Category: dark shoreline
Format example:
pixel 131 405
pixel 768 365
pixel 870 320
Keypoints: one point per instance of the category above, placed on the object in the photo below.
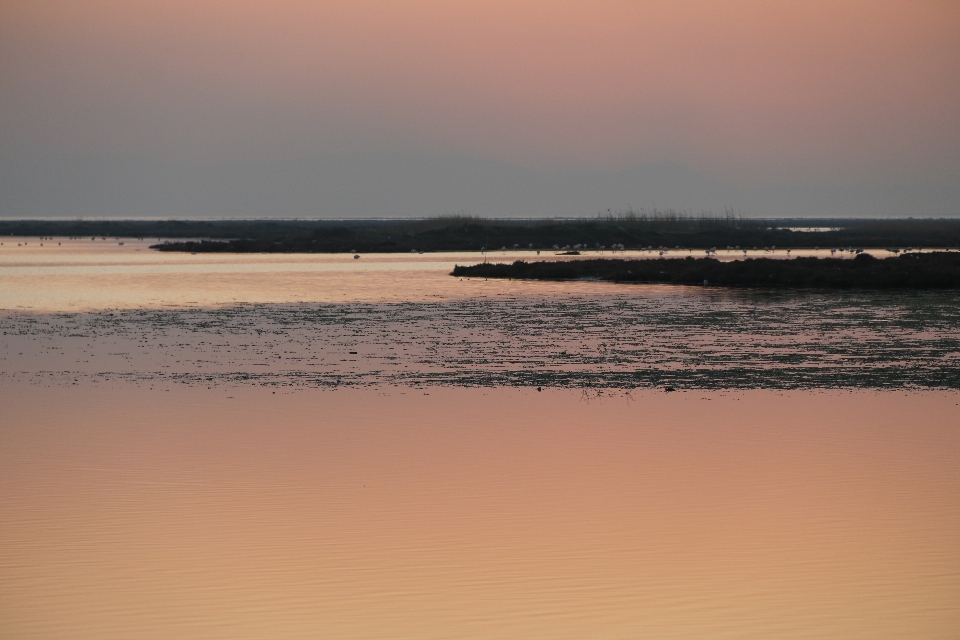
pixel 938 270
pixel 464 233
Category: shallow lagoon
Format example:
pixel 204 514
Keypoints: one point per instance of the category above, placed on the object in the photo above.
pixel 189 448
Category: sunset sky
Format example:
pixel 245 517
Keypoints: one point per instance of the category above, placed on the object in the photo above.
pixel 751 97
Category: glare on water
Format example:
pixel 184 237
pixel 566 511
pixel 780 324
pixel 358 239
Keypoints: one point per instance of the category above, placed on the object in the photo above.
pixel 78 275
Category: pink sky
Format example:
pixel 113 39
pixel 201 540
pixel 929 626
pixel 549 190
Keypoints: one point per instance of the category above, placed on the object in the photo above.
pixel 755 93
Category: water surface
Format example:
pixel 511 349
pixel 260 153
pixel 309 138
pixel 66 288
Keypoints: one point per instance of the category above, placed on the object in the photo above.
pixel 317 446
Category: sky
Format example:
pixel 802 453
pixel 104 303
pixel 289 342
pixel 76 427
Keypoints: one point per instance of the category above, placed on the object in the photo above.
pixel 177 108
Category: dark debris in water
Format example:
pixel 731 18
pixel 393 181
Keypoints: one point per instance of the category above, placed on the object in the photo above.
pixel 722 340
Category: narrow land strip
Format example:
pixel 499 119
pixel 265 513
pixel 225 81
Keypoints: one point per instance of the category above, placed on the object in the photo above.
pixel 939 270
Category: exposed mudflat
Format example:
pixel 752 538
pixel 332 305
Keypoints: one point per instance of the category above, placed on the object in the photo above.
pixel 707 340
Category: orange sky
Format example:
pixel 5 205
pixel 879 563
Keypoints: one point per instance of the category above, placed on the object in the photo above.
pixel 752 92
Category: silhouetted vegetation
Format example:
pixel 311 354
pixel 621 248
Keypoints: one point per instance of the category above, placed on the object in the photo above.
pixel 464 233
pixel 911 271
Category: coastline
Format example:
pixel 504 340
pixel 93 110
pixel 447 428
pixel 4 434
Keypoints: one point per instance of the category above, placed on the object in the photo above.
pixel 934 270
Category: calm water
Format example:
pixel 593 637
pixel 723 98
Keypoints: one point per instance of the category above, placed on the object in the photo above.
pixel 84 275
pixel 316 446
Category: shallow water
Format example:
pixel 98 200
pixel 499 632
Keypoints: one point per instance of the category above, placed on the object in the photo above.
pixel 188 448
pixel 478 514
pixel 85 275
pixel 330 320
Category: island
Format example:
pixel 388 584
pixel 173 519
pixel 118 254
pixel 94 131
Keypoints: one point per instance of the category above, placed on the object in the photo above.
pixel 934 270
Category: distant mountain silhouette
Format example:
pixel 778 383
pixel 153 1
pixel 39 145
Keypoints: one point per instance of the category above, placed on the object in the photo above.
pixel 398 185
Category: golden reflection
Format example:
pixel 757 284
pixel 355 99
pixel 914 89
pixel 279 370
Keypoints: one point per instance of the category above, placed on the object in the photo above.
pixel 442 513
pixel 82 275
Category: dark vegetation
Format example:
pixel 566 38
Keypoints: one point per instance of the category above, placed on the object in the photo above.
pixel 463 233
pixel 912 271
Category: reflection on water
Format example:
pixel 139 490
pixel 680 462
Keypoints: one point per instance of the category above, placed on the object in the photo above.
pixel 280 447
pixel 478 514
pixel 81 275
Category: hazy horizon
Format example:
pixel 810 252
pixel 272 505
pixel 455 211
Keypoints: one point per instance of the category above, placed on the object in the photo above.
pixel 528 109
pixel 352 186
